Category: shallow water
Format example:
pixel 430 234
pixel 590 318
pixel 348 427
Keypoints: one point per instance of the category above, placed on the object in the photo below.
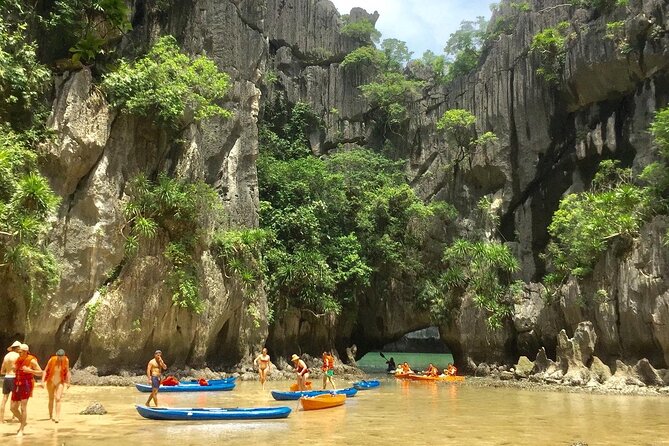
pixel 399 412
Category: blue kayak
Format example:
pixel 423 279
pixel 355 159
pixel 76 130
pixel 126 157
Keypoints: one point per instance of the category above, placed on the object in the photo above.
pixel 213 413
pixel 366 385
pixel 215 385
pixel 284 396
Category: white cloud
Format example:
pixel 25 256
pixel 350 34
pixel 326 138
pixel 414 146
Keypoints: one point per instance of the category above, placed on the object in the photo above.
pixel 422 24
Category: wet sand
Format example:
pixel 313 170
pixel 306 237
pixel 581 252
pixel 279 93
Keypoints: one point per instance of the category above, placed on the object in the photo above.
pixel 399 412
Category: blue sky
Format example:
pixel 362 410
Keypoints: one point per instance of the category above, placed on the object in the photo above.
pixel 422 24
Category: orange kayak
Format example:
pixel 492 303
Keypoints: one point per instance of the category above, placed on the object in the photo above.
pixel 322 401
pixel 447 378
pixel 293 387
pixel 403 375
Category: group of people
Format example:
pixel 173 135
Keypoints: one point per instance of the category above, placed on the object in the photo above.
pixel 262 361
pixel 19 369
pixel 431 370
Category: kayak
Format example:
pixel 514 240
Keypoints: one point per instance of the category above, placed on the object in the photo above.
pixel 402 375
pixel 294 387
pixel 215 385
pixel 213 413
pixel 322 401
pixel 366 385
pixel 446 378
pixel 284 396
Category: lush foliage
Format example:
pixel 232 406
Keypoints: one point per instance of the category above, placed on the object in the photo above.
pixel 168 86
pixel 585 223
pixel 390 92
pixel 365 55
pixel 22 77
pixel 187 214
pixel 480 268
pixel 361 30
pixel 337 221
pixel 94 24
pixel 459 126
pixel 551 47
pixel 463 47
pixel 26 204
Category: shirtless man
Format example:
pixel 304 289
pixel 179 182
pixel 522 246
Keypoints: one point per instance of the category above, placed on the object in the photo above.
pixel 25 368
pixel 263 362
pixel 7 370
pixel 154 371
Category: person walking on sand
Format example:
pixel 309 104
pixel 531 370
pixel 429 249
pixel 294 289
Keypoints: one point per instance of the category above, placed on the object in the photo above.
pixel 7 371
pixel 154 371
pixel 328 370
pixel 26 369
pixel 56 377
pixel 302 372
pixel 263 362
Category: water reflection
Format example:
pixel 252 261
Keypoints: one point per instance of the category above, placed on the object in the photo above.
pixel 397 412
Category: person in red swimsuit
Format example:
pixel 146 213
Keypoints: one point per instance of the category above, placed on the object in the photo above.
pixel 302 372
pixel 26 368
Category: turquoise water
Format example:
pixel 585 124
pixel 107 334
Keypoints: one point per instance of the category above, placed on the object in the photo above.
pixel 399 412
pixel 374 362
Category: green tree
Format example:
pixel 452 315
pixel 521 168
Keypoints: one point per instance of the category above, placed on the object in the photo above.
pixel 26 205
pixel 551 47
pixel 168 86
pixel 362 30
pixel 460 128
pixel 585 224
pixel 397 54
pixel 188 214
pixel 463 47
pixel 390 92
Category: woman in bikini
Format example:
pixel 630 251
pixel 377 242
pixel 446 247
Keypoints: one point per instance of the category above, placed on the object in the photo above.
pixel 263 362
pixel 56 377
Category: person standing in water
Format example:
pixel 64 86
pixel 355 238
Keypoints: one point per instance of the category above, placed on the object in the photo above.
pixel 154 372
pixel 7 370
pixel 263 362
pixel 302 372
pixel 26 369
pixel 328 370
pixel 56 377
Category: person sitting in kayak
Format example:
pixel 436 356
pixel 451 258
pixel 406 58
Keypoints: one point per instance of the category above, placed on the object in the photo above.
pixel 451 370
pixel 391 365
pixel 432 370
pixel 406 368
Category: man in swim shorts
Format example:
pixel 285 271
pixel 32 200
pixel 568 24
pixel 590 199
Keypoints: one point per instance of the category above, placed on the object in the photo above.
pixel 154 372
pixel 7 370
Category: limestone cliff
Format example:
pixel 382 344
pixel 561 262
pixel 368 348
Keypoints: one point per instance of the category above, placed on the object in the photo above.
pixel 111 311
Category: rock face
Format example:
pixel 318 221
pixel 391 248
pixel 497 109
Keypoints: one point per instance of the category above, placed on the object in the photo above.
pixel 112 311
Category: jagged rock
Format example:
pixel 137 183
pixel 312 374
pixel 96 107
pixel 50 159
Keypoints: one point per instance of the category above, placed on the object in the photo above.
pixel 623 377
pixel 350 354
pixel 647 374
pixel 585 339
pixel 542 363
pixel 94 409
pixel 506 376
pixel 599 371
pixel 524 367
pixel 482 369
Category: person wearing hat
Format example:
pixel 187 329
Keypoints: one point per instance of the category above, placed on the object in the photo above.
pixel 154 371
pixel 7 371
pixel 56 377
pixel 26 368
pixel 302 372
